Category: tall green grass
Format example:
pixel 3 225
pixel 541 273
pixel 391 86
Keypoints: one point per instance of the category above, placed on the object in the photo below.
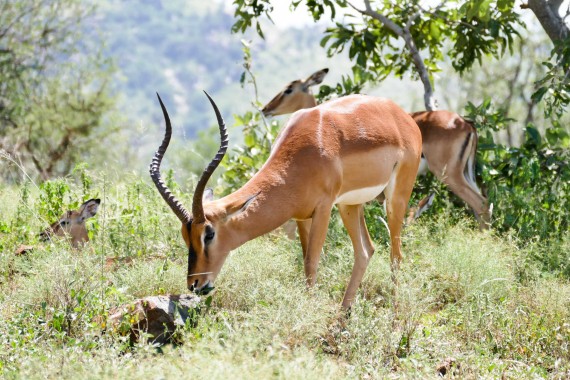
pixel 496 307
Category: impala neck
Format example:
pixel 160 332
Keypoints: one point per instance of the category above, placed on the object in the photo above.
pixel 266 212
pixel 310 102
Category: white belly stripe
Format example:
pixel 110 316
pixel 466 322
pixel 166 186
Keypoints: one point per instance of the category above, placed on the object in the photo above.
pixel 359 196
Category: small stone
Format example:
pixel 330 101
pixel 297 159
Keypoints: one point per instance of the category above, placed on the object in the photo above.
pixel 157 316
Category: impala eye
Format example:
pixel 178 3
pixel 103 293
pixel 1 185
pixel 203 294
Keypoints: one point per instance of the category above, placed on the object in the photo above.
pixel 63 223
pixel 210 233
pixel 288 91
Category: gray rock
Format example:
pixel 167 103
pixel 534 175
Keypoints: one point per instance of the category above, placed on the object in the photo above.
pixel 157 316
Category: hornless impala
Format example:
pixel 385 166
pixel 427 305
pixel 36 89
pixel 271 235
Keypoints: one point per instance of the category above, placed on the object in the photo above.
pixel 344 152
pixel 449 144
pixel 72 224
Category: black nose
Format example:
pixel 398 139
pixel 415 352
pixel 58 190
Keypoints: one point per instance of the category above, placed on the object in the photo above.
pixel 193 286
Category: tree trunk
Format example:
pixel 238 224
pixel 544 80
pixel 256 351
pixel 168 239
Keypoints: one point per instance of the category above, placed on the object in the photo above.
pixel 548 13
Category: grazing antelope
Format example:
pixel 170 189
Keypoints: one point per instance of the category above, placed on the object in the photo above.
pixel 344 152
pixel 72 224
pixel 449 145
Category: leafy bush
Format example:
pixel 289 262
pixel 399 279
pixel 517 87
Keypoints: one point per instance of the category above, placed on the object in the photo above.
pixel 258 136
pixel 554 87
pixel 244 161
pixel 529 185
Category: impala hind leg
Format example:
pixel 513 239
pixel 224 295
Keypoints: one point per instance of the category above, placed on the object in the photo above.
pixel 461 187
pixel 398 194
pixel 319 225
pixel 353 220
pixel 461 181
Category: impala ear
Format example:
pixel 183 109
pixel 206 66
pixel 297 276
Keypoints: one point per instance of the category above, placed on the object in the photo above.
pixel 240 206
pixel 316 77
pixel 208 195
pixel 89 208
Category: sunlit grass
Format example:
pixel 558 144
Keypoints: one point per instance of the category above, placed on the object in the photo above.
pixel 475 297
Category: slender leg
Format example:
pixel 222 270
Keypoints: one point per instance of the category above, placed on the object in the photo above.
pixel 304 228
pixel 420 208
pixel 476 201
pixel 289 228
pixel 317 236
pixel 460 178
pixel 397 196
pixel 366 240
pixel 353 220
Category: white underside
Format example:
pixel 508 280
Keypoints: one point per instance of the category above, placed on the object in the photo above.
pixel 356 197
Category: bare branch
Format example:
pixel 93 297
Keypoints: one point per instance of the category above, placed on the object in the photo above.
pixel 380 17
pixel 411 20
pixel 429 99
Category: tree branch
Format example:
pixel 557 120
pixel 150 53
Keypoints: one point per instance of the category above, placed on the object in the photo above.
pixel 429 98
pixel 547 12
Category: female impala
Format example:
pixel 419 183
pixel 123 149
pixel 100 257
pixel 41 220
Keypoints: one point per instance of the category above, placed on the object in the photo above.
pixel 343 152
pixel 449 144
pixel 72 224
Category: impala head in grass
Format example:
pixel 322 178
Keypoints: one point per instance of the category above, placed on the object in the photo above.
pixel 72 224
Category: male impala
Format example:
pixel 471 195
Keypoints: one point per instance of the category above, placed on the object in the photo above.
pixel 449 144
pixel 343 152
pixel 72 224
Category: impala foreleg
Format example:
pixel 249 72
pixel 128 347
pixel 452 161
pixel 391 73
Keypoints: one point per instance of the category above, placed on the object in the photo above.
pixel 304 228
pixel 319 225
pixel 289 229
pixel 353 220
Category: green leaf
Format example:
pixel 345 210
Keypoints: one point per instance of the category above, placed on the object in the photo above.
pixel 484 12
pixel 259 31
pixel 434 31
pixel 505 5
pixel 539 94
pixel 472 11
pixel 534 135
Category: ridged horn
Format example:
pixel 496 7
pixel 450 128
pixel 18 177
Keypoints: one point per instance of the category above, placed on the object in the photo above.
pixel 197 207
pixel 154 169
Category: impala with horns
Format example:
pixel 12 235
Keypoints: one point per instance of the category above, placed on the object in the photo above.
pixel 72 224
pixel 343 152
pixel 449 145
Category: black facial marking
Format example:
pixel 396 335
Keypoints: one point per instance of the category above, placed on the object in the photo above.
pixel 192 257
pixel 210 233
